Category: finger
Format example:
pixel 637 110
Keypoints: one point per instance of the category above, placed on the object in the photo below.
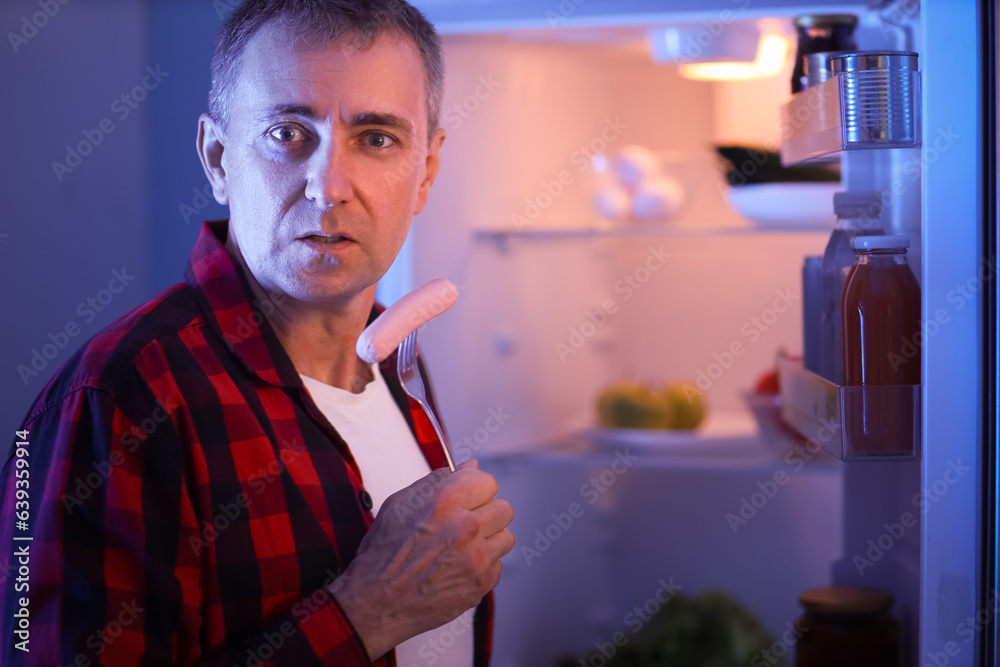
pixel 416 494
pixel 470 489
pixel 497 570
pixel 458 489
pixel 494 516
pixel 500 545
pixel 471 463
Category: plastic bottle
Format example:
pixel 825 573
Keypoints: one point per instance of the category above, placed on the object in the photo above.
pixel 857 215
pixel 881 334
pixel 812 312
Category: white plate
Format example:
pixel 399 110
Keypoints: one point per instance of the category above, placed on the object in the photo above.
pixel 786 205
pixel 643 437
pixel 718 429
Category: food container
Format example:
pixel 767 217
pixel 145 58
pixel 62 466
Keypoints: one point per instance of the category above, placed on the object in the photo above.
pixel 819 68
pixel 637 184
pixel 820 33
pixel 879 96
pixel 847 625
pixel 786 206
pixel 774 432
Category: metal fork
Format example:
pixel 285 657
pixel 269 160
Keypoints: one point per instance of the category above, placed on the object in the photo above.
pixel 413 385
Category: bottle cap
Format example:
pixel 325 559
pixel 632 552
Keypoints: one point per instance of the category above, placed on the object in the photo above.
pixel 847 600
pixel 861 204
pixel 888 242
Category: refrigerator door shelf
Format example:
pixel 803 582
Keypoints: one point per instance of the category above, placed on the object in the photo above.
pixel 852 111
pixel 867 423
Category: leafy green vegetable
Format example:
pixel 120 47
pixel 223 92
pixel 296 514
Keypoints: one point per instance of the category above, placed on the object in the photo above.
pixel 712 630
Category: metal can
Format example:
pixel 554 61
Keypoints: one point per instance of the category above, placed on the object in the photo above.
pixel 880 97
pixel 821 32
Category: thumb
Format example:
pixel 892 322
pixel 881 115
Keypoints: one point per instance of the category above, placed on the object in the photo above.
pixel 471 463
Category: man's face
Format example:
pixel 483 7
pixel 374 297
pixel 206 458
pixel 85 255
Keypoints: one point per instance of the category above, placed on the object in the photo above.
pixel 325 162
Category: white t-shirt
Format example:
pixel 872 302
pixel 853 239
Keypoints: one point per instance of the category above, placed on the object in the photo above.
pixel 390 459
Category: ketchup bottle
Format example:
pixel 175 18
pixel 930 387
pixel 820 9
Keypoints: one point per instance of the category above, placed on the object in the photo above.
pixel 880 316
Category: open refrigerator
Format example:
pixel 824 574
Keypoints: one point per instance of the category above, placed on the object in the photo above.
pixel 555 303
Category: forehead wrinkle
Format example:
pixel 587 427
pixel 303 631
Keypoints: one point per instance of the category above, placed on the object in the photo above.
pixel 286 109
pixel 298 84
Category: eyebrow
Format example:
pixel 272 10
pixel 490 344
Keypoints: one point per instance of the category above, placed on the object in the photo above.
pixel 357 120
pixel 382 119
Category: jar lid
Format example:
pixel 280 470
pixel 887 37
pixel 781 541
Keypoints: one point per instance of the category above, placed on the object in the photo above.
pixel 880 242
pixel 825 20
pixel 847 600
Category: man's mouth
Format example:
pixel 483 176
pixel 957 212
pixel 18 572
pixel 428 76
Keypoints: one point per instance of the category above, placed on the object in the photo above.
pixel 323 238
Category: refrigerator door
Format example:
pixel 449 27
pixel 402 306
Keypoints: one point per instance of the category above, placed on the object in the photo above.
pixel 991 427
pixel 959 268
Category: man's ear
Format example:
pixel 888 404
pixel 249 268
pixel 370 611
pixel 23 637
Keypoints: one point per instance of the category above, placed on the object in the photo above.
pixel 211 145
pixel 433 164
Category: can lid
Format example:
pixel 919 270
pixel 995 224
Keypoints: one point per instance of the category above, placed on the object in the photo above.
pixel 860 61
pixel 858 204
pixel 847 600
pixel 887 242
pixel 824 20
pixel 818 66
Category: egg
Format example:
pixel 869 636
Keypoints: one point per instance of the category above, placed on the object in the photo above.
pixel 612 202
pixel 635 164
pixel 657 198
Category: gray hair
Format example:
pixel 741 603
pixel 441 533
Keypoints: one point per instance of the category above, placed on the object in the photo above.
pixel 321 22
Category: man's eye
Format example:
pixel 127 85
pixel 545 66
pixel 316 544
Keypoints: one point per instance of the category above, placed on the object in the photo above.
pixel 379 140
pixel 287 133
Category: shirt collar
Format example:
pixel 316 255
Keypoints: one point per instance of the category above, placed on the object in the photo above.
pixel 236 314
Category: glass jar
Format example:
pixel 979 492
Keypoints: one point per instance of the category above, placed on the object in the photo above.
pixel 820 33
pixel 880 320
pixel 847 625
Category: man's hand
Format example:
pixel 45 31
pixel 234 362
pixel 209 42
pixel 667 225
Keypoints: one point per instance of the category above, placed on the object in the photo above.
pixel 433 552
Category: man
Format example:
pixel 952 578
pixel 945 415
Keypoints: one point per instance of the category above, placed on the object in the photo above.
pixel 196 485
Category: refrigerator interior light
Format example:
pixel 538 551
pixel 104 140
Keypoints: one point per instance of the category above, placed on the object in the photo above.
pixel 696 43
pixel 771 54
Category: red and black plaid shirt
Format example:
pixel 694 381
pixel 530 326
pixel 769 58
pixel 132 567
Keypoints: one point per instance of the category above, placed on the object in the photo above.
pixel 185 498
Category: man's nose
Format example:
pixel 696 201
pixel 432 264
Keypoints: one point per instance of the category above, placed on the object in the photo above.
pixel 329 182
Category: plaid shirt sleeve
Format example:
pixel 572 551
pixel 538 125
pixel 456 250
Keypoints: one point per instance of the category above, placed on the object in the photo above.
pixel 108 575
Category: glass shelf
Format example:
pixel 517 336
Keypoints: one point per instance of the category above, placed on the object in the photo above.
pixel 636 230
